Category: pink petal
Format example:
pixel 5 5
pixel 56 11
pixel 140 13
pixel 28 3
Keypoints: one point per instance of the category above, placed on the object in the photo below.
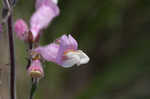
pixel 21 29
pixel 66 43
pixel 48 52
pixel 73 42
pixel 40 19
pixel 50 3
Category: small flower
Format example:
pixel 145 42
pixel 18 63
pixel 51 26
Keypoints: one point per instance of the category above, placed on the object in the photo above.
pixel 46 11
pixel 36 70
pixel 63 52
pixel 21 29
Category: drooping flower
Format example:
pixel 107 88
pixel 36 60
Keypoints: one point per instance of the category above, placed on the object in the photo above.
pixel 36 70
pixel 21 29
pixel 46 11
pixel 64 52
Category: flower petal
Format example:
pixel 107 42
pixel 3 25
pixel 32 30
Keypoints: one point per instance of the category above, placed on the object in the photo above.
pixel 48 52
pixel 75 58
pixel 21 29
pixel 50 3
pixel 66 43
pixel 40 19
pixel 73 42
pixel 55 1
pixel 84 59
pixel 72 60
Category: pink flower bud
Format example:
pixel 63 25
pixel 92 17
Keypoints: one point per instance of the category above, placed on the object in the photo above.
pixel 36 70
pixel 21 29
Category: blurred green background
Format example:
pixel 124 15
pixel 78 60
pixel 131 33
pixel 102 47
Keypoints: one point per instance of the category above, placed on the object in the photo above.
pixel 115 34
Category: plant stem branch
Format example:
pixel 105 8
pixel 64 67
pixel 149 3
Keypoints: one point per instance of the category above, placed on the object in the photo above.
pixel 12 59
pixel 33 81
pixel 33 88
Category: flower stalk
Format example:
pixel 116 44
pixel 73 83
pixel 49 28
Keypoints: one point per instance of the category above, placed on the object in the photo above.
pixel 63 51
pixel 33 81
pixel 33 87
pixel 7 18
pixel 12 59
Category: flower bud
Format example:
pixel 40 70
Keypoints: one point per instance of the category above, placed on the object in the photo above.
pixel 21 29
pixel 36 70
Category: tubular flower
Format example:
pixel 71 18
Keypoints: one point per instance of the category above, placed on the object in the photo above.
pixel 21 29
pixel 36 70
pixel 64 52
pixel 46 11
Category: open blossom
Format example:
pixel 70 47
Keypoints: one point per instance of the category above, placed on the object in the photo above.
pixel 46 11
pixel 21 29
pixel 64 52
pixel 36 70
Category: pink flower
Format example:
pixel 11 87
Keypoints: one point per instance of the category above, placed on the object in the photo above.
pixel 21 29
pixel 36 70
pixel 64 52
pixel 46 11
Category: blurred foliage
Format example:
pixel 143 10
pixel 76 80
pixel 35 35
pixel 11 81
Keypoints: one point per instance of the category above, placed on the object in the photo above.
pixel 114 33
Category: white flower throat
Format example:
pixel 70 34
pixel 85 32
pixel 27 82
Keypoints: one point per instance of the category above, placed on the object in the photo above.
pixel 55 1
pixel 75 58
